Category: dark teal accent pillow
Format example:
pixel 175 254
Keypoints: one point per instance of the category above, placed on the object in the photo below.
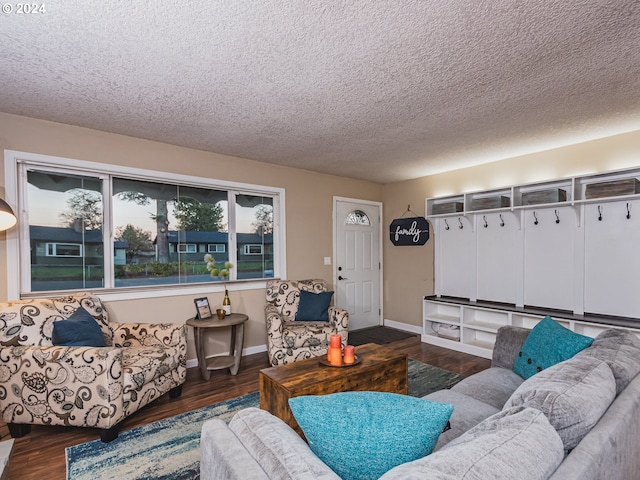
pixel 362 435
pixel 314 307
pixel 80 329
pixel 547 344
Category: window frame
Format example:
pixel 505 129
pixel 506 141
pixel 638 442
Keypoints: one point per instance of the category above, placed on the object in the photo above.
pixel 17 239
pixel 247 247
pixel 216 249
pixel 186 247
pixel 54 247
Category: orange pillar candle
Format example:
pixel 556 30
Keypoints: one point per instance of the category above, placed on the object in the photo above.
pixel 335 356
pixel 335 341
pixel 349 354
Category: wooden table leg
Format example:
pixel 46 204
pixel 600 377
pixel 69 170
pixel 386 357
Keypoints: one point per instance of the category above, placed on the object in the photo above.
pixel 202 359
pixel 232 341
pixel 237 339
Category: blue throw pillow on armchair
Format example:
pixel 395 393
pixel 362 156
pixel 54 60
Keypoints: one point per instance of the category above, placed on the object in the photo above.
pixel 314 307
pixel 80 329
pixel 362 435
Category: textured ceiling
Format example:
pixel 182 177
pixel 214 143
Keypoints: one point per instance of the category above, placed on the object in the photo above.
pixel 380 90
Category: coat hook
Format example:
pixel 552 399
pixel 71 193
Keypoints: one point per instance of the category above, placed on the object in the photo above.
pixel 501 221
pixel 536 218
pixel 628 211
pixel 460 221
pixel 599 213
pixel 447 224
pixel 485 221
pixel 557 217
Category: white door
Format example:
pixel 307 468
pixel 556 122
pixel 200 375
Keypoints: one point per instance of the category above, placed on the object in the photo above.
pixel 357 261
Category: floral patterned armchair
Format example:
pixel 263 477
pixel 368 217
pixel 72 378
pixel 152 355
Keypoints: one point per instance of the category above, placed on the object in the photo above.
pixel 77 385
pixel 289 340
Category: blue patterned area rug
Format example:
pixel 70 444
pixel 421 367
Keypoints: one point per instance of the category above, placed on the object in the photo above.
pixel 169 449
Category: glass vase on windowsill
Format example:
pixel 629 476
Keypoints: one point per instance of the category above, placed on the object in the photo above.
pixel 222 274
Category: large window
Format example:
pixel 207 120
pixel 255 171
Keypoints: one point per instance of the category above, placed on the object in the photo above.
pixel 96 226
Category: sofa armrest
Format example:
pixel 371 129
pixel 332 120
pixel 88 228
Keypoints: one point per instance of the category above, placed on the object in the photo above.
pixel 222 455
pixel 508 344
pixel 610 449
pixel 149 334
pixel 279 450
pixel 59 385
pixel 339 318
pixel 275 323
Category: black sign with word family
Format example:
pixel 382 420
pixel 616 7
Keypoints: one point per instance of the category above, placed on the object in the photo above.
pixel 409 231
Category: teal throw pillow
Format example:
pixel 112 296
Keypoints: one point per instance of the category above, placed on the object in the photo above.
pixel 314 306
pixel 80 329
pixel 547 344
pixel 362 435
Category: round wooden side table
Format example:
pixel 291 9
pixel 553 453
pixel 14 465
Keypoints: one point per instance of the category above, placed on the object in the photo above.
pixel 219 362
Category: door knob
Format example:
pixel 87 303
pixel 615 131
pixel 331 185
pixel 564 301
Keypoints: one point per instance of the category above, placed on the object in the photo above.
pixel 340 277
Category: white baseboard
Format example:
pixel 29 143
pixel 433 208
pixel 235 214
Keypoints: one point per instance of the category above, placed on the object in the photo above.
pixel 403 326
pixel 193 362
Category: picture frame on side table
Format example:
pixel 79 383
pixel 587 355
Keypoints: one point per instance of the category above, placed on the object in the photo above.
pixel 203 309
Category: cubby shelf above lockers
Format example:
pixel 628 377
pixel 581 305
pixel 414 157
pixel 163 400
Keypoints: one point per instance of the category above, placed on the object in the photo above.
pixel 546 194
pixel 601 187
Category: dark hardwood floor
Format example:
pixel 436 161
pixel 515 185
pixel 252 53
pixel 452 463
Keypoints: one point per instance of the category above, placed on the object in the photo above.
pixel 41 453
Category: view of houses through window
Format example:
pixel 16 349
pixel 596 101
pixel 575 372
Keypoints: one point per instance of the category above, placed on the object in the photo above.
pixel 99 230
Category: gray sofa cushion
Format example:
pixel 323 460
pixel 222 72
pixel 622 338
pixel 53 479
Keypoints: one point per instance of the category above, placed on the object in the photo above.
pixel 278 449
pixel 467 413
pixel 572 394
pixel 493 386
pixel 621 350
pixel 517 443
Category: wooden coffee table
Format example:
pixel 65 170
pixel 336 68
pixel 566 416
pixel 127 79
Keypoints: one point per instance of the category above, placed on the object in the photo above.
pixel 382 369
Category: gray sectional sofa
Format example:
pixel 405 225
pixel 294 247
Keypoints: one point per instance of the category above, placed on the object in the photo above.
pixel 576 420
